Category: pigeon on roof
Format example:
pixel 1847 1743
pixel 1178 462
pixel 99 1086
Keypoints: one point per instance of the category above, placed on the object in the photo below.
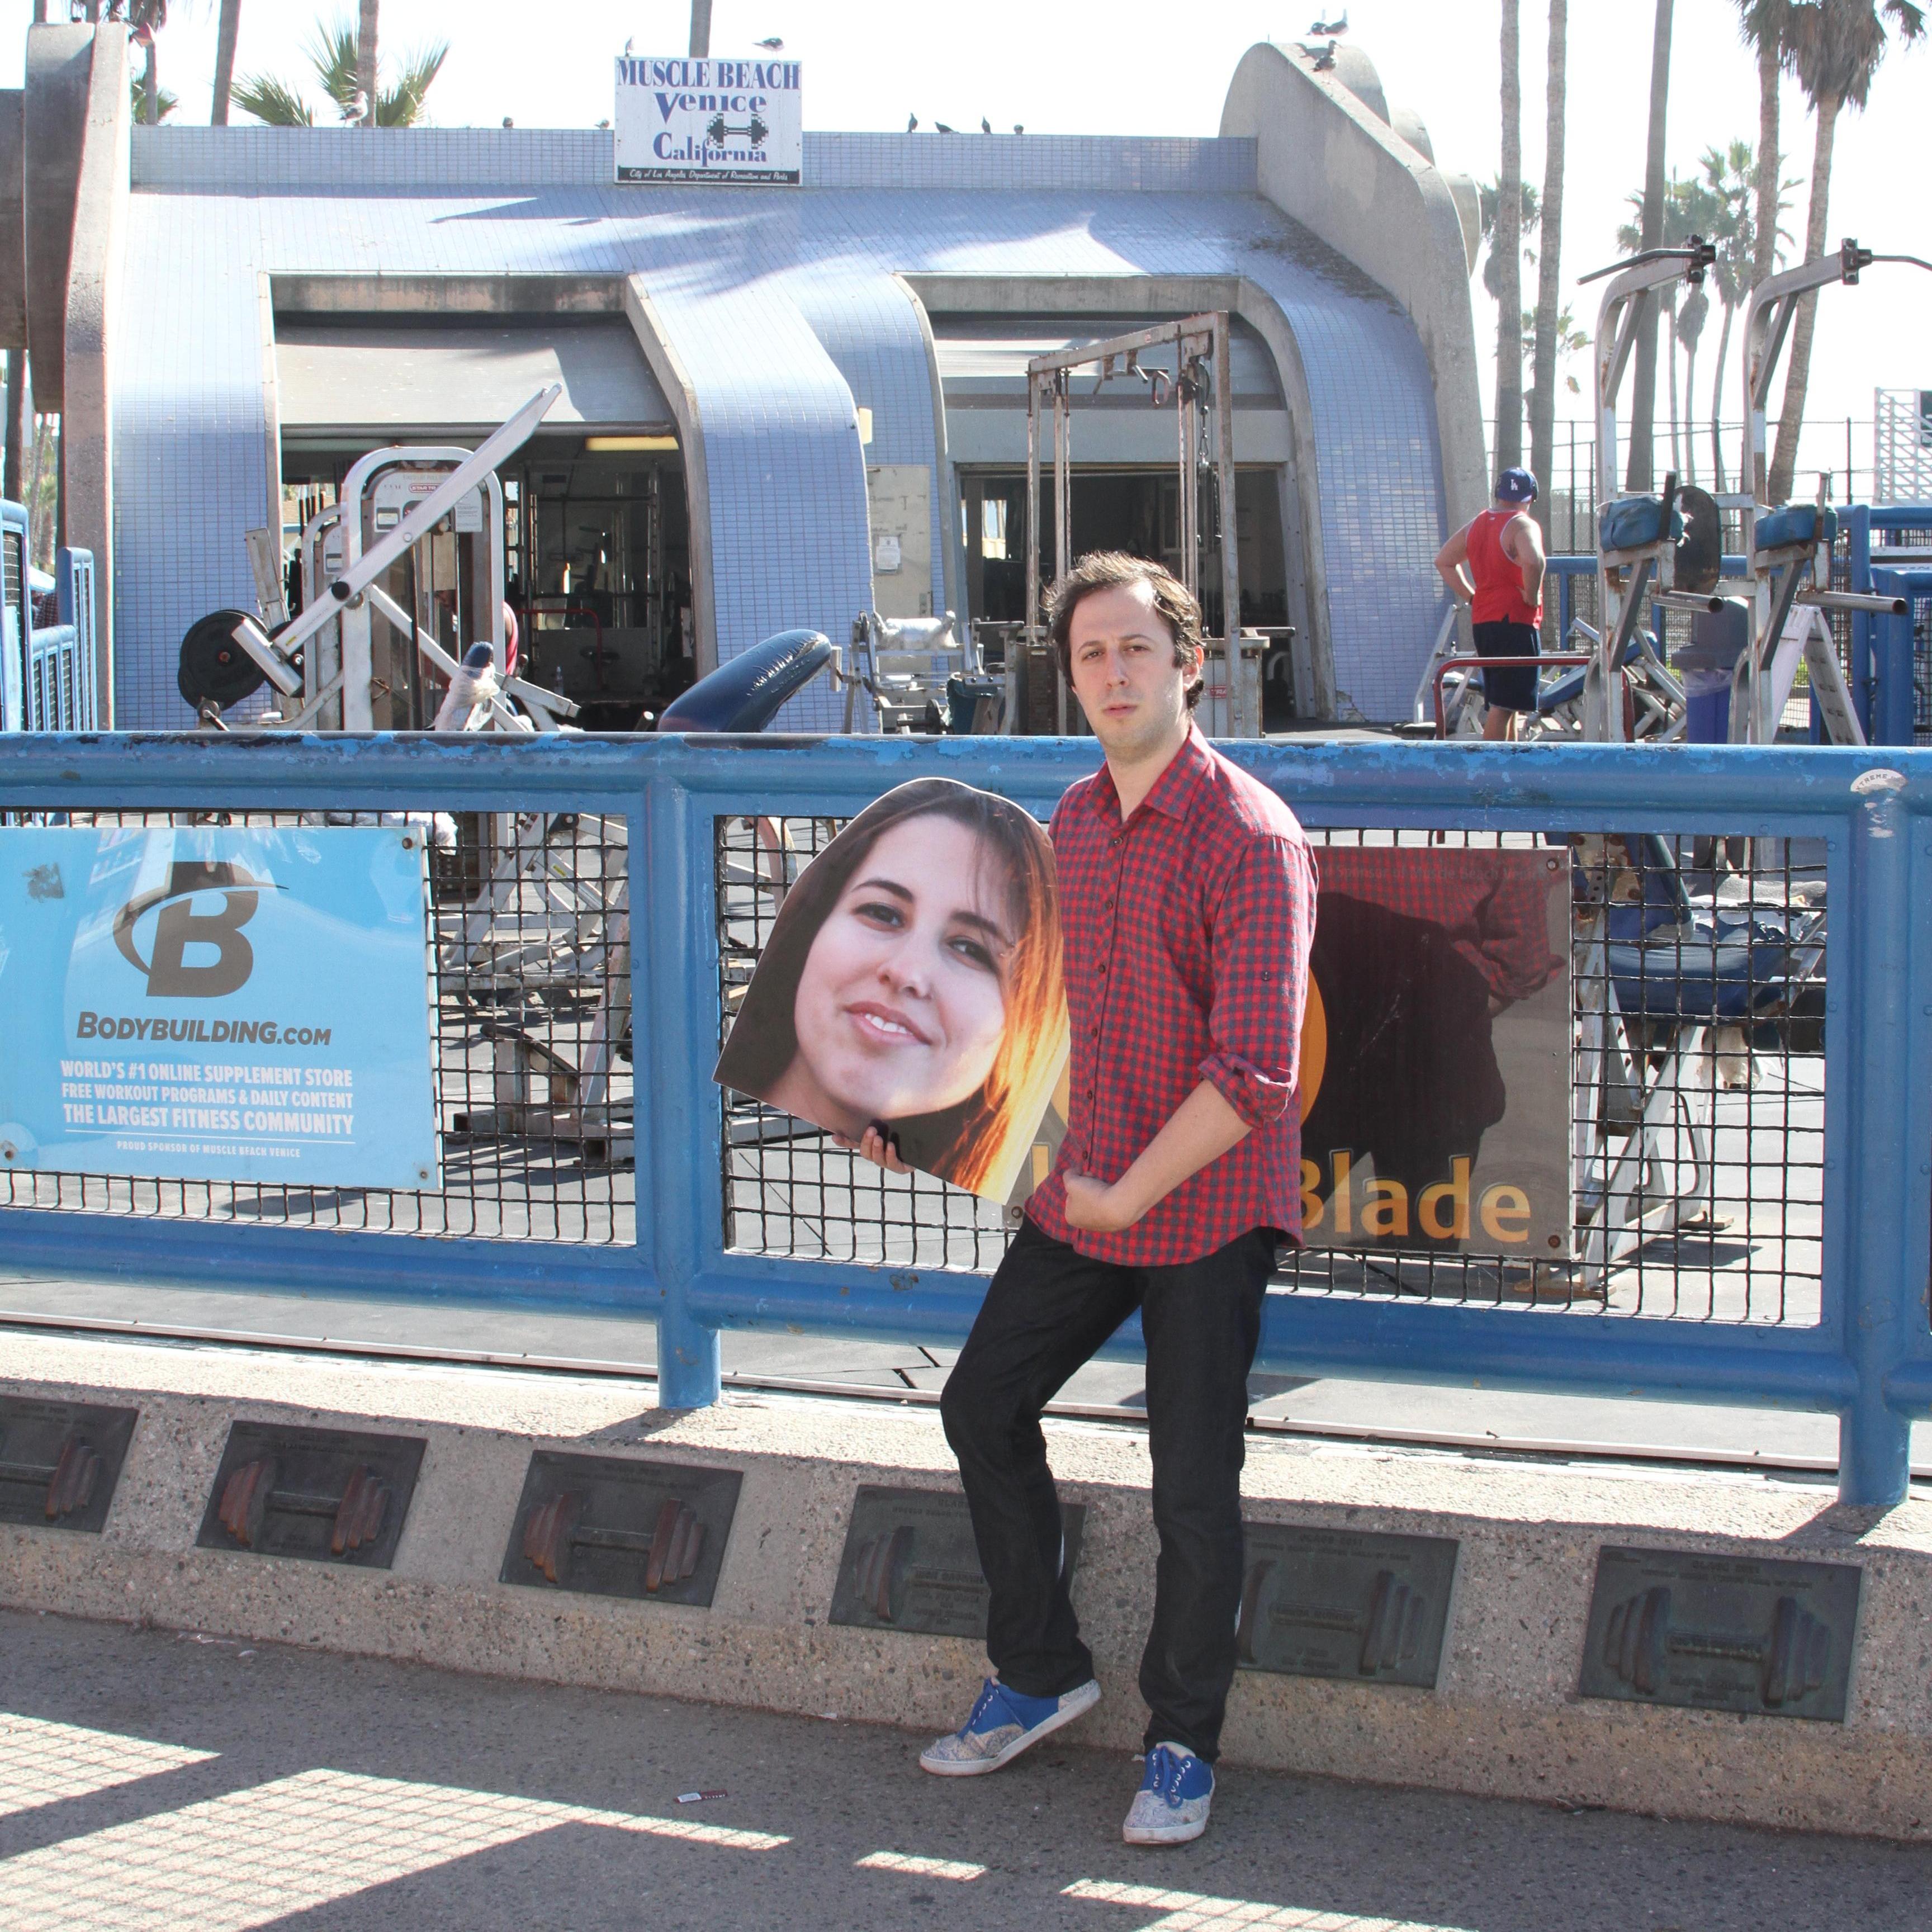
pixel 912 123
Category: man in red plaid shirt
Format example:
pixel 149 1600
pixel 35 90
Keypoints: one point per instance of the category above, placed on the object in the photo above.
pixel 1187 902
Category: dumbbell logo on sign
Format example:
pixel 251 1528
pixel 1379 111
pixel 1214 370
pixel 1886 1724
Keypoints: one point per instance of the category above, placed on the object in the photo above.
pixel 719 130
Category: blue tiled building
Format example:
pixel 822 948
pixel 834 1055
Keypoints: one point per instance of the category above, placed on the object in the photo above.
pixel 787 406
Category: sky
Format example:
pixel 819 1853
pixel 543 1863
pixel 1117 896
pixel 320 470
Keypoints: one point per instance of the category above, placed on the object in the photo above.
pixel 1125 70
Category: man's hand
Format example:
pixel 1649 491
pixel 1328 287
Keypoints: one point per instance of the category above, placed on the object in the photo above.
pixel 875 1144
pixel 1097 1209
pixel 1201 1129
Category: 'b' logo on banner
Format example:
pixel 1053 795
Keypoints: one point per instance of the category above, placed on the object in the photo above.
pixel 179 926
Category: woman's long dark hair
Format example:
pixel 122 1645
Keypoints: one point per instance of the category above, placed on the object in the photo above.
pixel 985 1136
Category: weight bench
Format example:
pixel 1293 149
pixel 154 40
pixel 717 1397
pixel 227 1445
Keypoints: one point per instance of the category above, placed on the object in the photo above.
pixel 747 693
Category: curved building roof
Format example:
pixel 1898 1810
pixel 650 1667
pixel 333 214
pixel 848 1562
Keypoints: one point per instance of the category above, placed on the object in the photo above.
pixel 781 312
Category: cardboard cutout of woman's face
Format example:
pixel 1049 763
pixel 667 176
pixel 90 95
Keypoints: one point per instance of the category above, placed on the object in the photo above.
pixel 917 1000
pixel 902 1001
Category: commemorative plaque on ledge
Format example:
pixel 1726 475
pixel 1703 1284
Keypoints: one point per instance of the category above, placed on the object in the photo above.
pixel 911 1563
pixel 59 1461
pixel 1345 1603
pixel 617 1526
pixel 325 1495
pixel 1759 1635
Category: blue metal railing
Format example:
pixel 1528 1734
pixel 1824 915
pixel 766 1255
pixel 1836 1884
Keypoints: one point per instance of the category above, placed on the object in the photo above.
pixel 1869 1360
pixel 46 672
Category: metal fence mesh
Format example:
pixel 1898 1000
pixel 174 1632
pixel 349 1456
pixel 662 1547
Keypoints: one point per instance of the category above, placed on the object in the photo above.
pixel 529 946
pixel 1697 1096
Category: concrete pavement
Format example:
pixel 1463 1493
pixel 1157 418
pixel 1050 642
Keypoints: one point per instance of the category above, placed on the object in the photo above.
pixel 148 1778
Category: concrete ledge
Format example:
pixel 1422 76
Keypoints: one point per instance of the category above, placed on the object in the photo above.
pixel 1504 1721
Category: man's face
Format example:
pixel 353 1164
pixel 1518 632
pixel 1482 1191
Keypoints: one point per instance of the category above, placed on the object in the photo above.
pixel 1124 673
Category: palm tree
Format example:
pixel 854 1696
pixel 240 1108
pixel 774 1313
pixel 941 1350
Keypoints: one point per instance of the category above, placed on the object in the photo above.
pixel 1689 209
pixel 1767 31
pixel 144 19
pixel 1542 362
pixel 1835 49
pixel 1529 218
pixel 1728 177
pixel 1729 189
pixel 1690 320
pixel 367 73
pixel 1508 252
pixel 151 105
pixel 1566 340
pixel 226 33
pixel 1489 204
pixel 334 56
pixel 1643 402
pixel 274 101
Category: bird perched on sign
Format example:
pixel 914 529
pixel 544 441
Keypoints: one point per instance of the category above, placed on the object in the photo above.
pixel 1332 27
pixel 912 123
pixel 942 127
pixel 355 106
pixel 986 126
pixel 473 684
pixel 774 44
pixel 1018 129
pixel 628 46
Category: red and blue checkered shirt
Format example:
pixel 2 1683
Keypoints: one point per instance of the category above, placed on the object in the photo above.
pixel 1187 932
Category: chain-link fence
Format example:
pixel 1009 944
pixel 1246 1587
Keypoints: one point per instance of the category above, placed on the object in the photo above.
pixel 1696 1095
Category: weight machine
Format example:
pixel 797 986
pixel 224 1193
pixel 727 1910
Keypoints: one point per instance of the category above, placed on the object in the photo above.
pixel 1788 544
pixel 543 919
pixel 1637 536
pixel 1202 394
pixel 395 502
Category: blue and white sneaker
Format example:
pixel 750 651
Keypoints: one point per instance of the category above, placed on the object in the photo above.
pixel 1172 1805
pixel 1004 1723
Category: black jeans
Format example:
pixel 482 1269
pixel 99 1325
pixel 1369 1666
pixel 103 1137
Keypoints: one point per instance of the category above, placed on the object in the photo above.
pixel 1048 1309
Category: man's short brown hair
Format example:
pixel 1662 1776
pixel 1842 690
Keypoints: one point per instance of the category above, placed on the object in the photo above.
pixel 1111 569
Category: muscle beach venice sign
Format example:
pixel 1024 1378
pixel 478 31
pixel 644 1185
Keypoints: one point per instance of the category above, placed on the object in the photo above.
pixel 680 120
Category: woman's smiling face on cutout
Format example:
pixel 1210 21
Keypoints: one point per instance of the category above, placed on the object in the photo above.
pixel 901 1003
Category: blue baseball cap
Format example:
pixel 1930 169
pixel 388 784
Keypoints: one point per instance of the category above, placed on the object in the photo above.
pixel 1515 486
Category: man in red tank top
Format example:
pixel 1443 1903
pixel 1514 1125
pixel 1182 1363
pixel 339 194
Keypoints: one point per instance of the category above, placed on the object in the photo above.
pixel 1495 565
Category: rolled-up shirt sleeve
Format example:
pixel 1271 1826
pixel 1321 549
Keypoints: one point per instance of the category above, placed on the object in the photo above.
pixel 1264 924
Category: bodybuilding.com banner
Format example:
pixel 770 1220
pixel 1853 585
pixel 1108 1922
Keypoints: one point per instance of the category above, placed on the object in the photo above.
pixel 680 120
pixel 218 1004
